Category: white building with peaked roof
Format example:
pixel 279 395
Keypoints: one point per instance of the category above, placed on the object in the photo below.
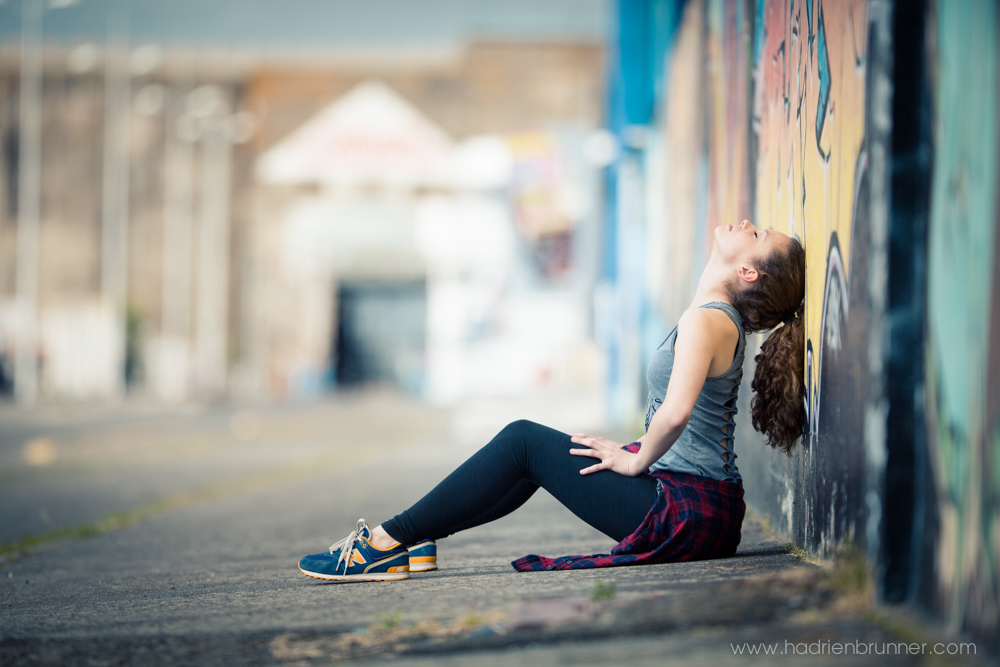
pixel 396 252
pixel 391 239
pixel 369 137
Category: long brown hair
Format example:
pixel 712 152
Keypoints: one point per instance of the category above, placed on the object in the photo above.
pixel 776 298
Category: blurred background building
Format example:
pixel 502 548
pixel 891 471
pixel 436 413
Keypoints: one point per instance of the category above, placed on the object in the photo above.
pixel 249 200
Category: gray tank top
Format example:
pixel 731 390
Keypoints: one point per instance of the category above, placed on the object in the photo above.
pixel 709 432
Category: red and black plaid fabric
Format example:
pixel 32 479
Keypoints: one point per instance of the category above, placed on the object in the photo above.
pixel 694 518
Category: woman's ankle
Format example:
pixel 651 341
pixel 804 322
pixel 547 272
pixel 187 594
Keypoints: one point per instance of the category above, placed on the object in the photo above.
pixel 382 540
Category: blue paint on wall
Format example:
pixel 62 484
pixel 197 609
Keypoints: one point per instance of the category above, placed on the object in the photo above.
pixel 824 78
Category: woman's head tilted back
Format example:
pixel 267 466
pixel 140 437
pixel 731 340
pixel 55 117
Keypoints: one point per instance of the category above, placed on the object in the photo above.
pixel 770 294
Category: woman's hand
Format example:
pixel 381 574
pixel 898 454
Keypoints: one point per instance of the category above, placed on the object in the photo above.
pixel 611 455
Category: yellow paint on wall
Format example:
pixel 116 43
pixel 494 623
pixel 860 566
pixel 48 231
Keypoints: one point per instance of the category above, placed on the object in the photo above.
pixel 805 184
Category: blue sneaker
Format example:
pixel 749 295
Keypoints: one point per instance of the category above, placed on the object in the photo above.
pixel 355 559
pixel 424 556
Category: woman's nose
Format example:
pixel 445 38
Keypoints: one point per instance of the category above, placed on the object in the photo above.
pixel 745 224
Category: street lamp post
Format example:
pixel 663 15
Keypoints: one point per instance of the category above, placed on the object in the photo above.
pixel 178 206
pixel 29 203
pixel 29 195
pixel 209 122
pixel 213 254
pixel 115 213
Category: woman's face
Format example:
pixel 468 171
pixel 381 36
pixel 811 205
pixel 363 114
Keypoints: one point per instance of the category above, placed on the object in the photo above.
pixel 744 244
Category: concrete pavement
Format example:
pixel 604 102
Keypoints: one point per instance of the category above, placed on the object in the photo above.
pixel 210 577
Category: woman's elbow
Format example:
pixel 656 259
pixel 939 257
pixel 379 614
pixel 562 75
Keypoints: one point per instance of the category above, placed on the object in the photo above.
pixel 681 422
pixel 675 422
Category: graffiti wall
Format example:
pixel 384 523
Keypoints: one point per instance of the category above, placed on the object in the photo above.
pixel 808 146
pixel 810 67
pixel 869 130
pixel 963 315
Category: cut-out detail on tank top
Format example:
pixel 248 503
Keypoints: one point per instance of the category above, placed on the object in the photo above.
pixel 728 436
pixel 728 453
pixel 691 452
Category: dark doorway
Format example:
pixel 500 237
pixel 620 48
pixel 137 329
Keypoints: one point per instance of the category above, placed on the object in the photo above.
pixel 381 334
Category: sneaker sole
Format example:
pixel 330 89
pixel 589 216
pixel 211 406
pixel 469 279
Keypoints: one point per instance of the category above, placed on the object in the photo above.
pixel 348 578
pixel 423 563
pixel 423 568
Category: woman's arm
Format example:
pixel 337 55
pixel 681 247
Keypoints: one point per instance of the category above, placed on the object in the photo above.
pixel 699 338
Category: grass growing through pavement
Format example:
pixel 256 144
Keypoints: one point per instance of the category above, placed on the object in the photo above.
pixel 603 591
pixel 472 621
pixel 800 553
pixel 388 622
pixel 852 578
pixel 18 549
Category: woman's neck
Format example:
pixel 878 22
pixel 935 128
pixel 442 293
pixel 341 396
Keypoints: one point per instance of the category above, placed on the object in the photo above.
pixel 712 286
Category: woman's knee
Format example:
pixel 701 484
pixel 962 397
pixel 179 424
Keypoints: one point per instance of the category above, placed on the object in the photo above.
pixel 528 440
pixel 521 428
pixel 527 432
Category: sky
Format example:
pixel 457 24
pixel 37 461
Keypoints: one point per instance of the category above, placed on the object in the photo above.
pixel 284 26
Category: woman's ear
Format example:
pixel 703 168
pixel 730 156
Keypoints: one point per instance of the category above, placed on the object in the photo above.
pixel 747 274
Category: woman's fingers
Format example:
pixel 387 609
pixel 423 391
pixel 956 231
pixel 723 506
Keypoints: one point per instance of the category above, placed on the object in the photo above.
pixel 586 452
pixel 591 441
pixel 596 447
pixel 586 437
pixel 603 464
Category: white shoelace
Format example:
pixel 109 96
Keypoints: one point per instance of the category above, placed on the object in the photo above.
pixel 346 546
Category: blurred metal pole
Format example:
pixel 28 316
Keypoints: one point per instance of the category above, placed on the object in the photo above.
pixel 250 335
pixel 248 372
pixel 29 203
pixel 213 255
pixel 178 217
pixel 5 95
pixel 630 287
pixel 114 220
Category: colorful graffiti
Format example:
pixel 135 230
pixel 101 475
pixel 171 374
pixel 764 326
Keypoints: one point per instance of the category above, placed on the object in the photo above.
pixel 809 67
pixel 963 301
pixel 870 130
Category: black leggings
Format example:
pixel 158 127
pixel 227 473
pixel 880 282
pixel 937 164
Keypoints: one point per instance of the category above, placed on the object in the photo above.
pixel 501 476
